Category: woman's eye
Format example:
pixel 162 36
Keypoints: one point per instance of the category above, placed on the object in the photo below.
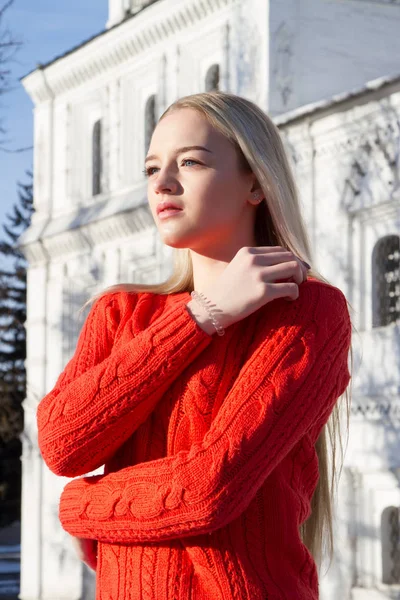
pixel 150 170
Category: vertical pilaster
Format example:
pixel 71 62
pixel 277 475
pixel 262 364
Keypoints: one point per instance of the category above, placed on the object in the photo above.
pixel 177 70
pixel 60 151
pixel 114 120
pixel 116 12
pixel 162 89
pixel 32 465
pixel 225 67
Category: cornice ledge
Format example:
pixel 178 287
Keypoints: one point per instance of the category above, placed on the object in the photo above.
pixel 84 238
pixel 381 210
pixel 119 44
pixel 111 219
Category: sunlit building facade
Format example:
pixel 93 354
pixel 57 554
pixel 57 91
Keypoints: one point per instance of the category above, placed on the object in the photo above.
pixel 323 71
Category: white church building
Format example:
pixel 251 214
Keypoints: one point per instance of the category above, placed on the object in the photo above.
pixel 328 72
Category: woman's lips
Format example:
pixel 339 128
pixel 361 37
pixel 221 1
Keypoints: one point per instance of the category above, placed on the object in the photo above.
pixel 169 212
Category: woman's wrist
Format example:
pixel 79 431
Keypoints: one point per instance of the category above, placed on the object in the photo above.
pixel 201 316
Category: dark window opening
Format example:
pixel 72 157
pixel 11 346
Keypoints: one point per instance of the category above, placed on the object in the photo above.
pixel 390 537
pixel 212 79
pixel 386 281
pixel 150 121
pixel 97 166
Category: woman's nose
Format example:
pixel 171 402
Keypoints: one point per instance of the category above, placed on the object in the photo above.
pixel 165 183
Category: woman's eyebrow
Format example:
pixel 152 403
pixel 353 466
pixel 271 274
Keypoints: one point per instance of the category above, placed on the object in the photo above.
pixel 180 151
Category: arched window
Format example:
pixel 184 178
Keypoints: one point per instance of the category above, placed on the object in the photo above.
pixel 149 121
pixel 386 281
pixel 97 163
pixel 212 79
pixel 390 538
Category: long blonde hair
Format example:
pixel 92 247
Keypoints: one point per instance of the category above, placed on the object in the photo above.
pixel 279 222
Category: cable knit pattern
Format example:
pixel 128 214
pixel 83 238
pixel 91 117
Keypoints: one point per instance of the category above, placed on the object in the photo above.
pixel 208 443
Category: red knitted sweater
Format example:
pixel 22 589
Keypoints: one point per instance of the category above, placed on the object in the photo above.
pixel 207 442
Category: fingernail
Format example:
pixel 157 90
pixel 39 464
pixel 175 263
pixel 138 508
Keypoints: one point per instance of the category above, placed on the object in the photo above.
pixel 306 264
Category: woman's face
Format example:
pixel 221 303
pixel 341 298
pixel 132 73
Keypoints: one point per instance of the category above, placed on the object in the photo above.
pixel 206 182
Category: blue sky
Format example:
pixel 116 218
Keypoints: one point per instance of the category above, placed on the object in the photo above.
pixel 47 29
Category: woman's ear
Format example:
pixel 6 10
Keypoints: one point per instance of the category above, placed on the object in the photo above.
pixel 256 194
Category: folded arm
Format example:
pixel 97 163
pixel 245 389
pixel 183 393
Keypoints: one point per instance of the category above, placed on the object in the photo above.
pixel 103 396
pixel 289 383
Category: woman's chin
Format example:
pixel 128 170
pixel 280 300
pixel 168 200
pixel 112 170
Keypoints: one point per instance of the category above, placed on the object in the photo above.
pixel 174 239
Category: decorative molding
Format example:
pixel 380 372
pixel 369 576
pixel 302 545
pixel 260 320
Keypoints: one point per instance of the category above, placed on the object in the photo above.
pixel 372 185
pixel 376 409
pixel 118 45
pixel 377 212
pixel 342 140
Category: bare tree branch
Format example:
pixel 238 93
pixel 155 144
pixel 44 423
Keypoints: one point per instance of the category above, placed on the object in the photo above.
pixel 9 47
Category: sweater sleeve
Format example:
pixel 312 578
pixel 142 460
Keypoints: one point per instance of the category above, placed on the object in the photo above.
pixel 290 383
pixel 103 396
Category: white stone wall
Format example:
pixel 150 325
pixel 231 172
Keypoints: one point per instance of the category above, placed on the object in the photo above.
pixel 321 48
pixel 346 221
pixel 281 55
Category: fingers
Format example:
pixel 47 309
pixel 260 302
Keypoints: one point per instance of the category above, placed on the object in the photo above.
pixel 305 267
pixel 278 267
pixel 272 250
pixel 272 258
pixel 282 271
pixel 263 249
pixel 287 290
pixel 275 255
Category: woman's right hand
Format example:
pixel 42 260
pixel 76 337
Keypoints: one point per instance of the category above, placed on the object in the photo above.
pixel 254 277
pixel 86 550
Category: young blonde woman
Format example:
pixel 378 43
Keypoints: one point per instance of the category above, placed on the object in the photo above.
pixel 207 397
